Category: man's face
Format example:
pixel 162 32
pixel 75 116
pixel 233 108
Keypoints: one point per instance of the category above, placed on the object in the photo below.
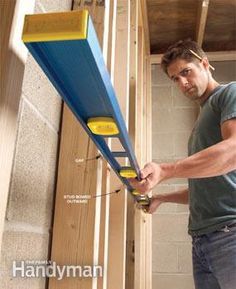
pixel 191 78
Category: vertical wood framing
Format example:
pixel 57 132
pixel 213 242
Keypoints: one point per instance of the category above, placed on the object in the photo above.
pixel 144 19
pixel 80 224
pixel 73 231
pixel 133 12
pixel 109 21
pixel 201 20
pixel 13 58
pixel 143 233
pixel 148 220
pixel 212 56
pixel 96 232
pixel 118 203
pixel 132 79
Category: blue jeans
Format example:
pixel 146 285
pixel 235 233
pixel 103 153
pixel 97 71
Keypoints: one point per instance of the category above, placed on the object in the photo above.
pixel 214 259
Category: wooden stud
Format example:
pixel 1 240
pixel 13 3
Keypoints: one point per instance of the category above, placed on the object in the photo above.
pixel 222 56
pixel 148 218
pixel 79 224
pixel 132 68
pixel 149 109
pixel 144 12
pixel 212 56
pixel 143 241
pixel 106 188
pixel 132 61
pixel 118 203
pixel 201 20
pixel 75 222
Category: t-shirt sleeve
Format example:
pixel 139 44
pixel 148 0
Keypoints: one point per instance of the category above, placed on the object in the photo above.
pixel 227 103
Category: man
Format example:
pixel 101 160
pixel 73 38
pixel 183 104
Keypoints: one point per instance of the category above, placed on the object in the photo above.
pixel 210 168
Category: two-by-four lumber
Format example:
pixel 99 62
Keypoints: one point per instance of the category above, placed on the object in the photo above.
pixel 133 24
pixel 139 127
pixel 73 228
pixel 212 56
pixel 144 15
pixel 118 203
pixel 201 20
pixel 76 239
pixel 143 233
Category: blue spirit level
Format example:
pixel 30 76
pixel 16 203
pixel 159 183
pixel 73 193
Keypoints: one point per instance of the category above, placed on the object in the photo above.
pixel 66 47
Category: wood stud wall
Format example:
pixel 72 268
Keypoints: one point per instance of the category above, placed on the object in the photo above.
pixel 108 231
pixel 75 238
pixel 201 20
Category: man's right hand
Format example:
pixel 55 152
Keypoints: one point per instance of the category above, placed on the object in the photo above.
pixel 151 175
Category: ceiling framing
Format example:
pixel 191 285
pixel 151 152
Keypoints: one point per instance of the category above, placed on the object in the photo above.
pixel 212 23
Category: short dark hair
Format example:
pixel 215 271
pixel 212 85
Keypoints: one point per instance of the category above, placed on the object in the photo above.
pixel 181 50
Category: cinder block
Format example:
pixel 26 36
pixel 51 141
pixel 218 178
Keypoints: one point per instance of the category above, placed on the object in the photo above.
pixel 165 257
pixel 161 97
pixel 180 181
pixel 172 281
pixel 181 208
pixel 163 188
pixel 170 227
pixel 52 6
pixel 181 144
pixel 158 76
pixel 162 121
pixel 180 100
pixel 170 207
pixel 165 207
pixel 170 120
pixel 22 246
pixel 162 145
pixel 40 92
pixel 183 119
pixel 185 257
pixel 225 71
pixel 33 177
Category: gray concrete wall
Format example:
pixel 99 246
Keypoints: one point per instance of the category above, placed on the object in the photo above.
pixel 31 198
pixel 173 118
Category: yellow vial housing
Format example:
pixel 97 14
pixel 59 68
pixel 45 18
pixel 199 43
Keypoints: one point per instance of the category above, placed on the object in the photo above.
pixel 103 126
pixel 143 202
pixel 136 193
pixel 128 172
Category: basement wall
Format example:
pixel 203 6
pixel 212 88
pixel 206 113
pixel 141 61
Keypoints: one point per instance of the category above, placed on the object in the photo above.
pixel 29 212
pixel 173 119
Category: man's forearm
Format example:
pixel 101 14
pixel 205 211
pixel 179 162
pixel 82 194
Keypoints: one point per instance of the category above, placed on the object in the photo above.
pixel 179 197
pixel 216 160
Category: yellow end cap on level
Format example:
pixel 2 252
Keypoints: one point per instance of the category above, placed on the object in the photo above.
pixel 128 172
pixel 103 126
pixel 55 26
pixel 143 203
pixel 135 193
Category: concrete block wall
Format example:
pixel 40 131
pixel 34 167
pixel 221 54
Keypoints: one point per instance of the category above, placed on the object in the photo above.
pixel 29 213
pixel 173 118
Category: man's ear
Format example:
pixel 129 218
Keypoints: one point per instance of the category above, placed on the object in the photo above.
pixel 205 63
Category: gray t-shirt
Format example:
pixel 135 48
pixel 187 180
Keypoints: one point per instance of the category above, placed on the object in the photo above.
pixel 212 200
